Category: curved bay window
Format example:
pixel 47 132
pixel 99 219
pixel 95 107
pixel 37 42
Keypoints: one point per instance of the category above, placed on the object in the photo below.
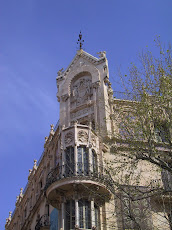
pixel 83 213
pixel 81 166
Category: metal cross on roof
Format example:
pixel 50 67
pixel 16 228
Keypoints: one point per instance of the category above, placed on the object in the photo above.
pixel 80 41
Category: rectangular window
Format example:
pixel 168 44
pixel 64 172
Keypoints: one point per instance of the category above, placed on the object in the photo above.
pixel 96 211
pixel 70 214
pixel 69 166
pixel 84 214
pixel 94 162
pixel 83 160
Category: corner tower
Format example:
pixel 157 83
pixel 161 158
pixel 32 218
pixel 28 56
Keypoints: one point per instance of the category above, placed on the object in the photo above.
pixel 79 185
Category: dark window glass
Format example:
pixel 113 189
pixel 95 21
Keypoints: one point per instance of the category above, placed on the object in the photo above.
pixel 70 214
pixel 96 215
pixel 94 161
pixel 69 166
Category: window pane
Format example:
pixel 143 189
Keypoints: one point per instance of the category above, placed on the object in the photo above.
pixel 84 214
pixel 94 161
pixel 67 215
pixel 96 215
pixel 79 160
pixel 81 217
pixel 85 157
pixel 73 214
pixel 70 215
pixel 87 214
pixel 69 169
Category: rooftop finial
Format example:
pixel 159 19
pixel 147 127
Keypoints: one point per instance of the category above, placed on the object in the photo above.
pixel 80 41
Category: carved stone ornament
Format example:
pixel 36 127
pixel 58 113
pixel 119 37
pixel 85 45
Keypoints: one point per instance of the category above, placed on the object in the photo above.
pixel 65 97
pixel 93 140
pixel 68 138
pixel 60 72
pixel 96 84
pixel 102 54
pixel 82 136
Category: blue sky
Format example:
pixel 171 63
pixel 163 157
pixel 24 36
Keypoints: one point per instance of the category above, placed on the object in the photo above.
pixel 38 37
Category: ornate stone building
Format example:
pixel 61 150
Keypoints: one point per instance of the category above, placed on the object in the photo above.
pixel 70 187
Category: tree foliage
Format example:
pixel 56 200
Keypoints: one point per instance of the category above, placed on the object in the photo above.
pixel 143 131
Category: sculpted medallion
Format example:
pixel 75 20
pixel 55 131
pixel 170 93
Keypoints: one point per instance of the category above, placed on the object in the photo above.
pixel 68 138
pixel 82 136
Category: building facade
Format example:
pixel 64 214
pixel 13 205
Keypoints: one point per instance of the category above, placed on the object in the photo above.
pixel 71 187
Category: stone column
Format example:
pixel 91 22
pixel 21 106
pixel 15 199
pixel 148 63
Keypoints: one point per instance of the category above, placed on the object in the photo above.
pixel 98 161
pixel 63 162
pixel 101 217
pixel 75 148
pixel 89 150
pixel 63 216
pixel 95 103
pixel 92 214
pixel 76 214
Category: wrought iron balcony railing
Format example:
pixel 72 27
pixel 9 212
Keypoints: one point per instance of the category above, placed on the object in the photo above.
pixel 80 171
pixel 44 221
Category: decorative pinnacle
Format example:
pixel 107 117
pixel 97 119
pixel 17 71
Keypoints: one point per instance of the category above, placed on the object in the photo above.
pixel 80 41
pixel 34 166
pixel 21 192
pixel 52 127
pixel 10 215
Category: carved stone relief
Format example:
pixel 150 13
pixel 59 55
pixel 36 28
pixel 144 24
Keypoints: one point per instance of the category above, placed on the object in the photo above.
pixel 93 140
pixel 82 136
pixel 68 138
pixel 81 90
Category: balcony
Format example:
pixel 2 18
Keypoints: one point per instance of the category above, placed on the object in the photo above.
pixel 43 223
pixel 87 177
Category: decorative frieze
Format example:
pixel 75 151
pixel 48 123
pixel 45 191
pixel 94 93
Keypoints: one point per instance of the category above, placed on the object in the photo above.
pixel 82 112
